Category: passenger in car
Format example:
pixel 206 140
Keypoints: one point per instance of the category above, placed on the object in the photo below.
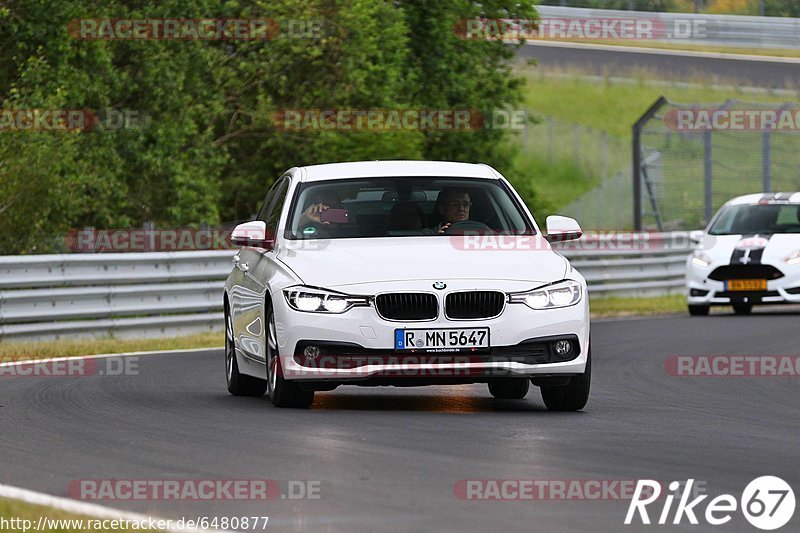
pixel 319 202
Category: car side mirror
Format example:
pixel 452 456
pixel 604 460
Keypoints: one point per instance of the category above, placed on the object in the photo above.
pixel 253 234
pixel 561 229
pixel 696 236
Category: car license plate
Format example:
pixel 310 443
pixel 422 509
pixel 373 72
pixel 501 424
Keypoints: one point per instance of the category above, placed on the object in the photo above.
pixel 441 339
pixel 746 285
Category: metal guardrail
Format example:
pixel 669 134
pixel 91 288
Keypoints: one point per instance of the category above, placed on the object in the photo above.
pixel 124 295
pixel 717 30
pixel 173 293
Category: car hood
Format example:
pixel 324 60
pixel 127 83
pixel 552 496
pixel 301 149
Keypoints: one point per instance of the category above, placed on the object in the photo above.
pixel 771 248
pixel 339 262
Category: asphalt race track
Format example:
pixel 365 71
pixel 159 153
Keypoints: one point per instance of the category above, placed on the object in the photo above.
pixel 388 458
pixel 773 73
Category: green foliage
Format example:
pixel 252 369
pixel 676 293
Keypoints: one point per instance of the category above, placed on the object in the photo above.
pixel 205 147
pixel 782 8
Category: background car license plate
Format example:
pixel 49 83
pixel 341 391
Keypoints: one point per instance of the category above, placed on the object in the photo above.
pixel 746 285
pixel 450 338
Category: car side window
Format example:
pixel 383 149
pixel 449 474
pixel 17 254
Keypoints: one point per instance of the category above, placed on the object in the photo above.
pixel 274 215
pixel 263 212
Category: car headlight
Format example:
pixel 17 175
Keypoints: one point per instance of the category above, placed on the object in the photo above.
pixel 793 258
pixel 700 259
pixel 561 294
pixel 315 300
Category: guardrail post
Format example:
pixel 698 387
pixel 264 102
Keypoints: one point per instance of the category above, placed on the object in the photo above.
pixel 150 234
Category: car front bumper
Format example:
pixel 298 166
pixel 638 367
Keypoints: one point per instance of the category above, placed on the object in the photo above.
pixel 362 330
pixel 704 291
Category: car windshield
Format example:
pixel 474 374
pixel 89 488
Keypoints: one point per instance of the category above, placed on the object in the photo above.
pixel 404 206
pixel 758 218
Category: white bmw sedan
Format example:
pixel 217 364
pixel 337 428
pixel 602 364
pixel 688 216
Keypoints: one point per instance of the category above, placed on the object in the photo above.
pixel 749 255
pixel 403 273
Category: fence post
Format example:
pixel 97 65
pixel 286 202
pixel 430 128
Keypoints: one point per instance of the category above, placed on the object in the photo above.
pixel 636 146
pixel 707 174
pixel 604 155
pixel 549 140
pixel 766 161
pixel 576 145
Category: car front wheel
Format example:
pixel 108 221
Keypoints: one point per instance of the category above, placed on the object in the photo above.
pixel 238 384
pixel 573 396
pixel 509 388
pixel 282 392
pixel 698 310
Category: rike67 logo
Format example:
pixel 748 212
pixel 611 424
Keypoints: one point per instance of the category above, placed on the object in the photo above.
pixel 767 503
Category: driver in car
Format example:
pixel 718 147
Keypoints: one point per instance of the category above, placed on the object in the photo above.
pixel 453 206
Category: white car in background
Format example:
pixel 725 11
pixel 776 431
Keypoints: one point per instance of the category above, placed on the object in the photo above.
pixel 749 255
pixel 353 274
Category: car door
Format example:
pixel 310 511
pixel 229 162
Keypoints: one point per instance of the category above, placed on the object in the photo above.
pixel 247 300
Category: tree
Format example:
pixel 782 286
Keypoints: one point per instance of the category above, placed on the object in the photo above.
pixel 206 146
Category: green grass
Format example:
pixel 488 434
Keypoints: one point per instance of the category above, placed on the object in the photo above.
pixel 13 509
pixel 773 52
pixel 10 351
pixel 625 307
pixel 614 106
pixel 547 149
pixel 550 179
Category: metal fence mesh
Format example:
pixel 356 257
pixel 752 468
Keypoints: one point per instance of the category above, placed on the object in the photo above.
pixel 687 173
pixel 594 162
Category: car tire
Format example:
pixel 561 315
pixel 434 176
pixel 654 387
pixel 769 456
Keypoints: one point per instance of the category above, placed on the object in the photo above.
pixel 509 388
pixel 282 392
pixel 238 384
pixel 699 310
pixel 573 396
pixel 742 309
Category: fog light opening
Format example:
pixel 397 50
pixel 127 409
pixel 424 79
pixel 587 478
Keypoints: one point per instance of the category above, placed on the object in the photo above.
pixel 312 351
pixel 562 347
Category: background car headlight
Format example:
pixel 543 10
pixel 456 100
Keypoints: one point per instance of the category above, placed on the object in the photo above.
pixel 793 258
pixel 562 294
pixel 314 300
pixel 700 259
